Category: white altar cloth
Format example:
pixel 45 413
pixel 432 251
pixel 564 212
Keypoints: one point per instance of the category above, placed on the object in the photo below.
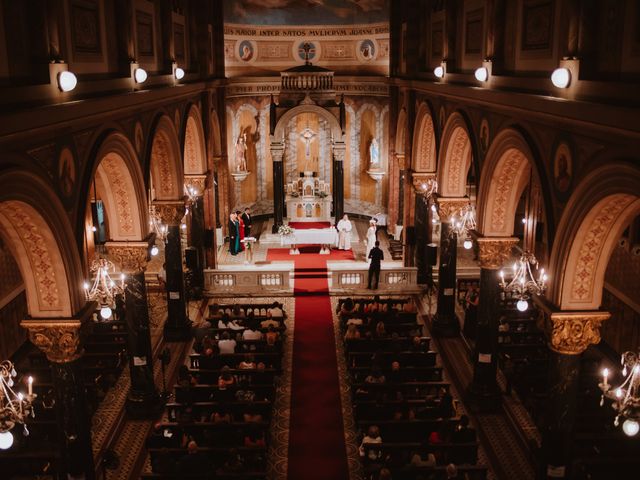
pixel 311 236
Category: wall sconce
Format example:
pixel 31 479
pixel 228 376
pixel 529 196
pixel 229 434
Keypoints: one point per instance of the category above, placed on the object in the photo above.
pixel 561 77
pixel 481 74
pixel 179 73
pixel 140 75
pixel 439 71
pixel 67 81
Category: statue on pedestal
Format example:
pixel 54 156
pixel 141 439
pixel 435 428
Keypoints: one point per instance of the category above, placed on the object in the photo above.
pixel 374 154
pixel 240 149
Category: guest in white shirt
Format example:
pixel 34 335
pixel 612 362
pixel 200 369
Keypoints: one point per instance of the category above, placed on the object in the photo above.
pixel 251 333
pixel 275 311
pixel 227 345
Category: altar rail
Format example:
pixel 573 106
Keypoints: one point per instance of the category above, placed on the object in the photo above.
pixel 396 279
pixel 274 281
pixel 247 282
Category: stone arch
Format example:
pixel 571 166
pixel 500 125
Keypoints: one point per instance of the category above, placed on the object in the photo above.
pixel 120 183
pixel 401 132
pixel 336 130
pixel 505 174
pixel 165 164
pixel 599 210
pixel 36 229
pixel 424 141
pixel 456 155
pixel 195 159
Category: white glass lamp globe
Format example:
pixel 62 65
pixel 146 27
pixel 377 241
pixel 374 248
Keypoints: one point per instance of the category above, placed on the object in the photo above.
pixel 630 427
pixel 522 305
pixel 67 81
pixel 561 77
pixel 6 440
pixel 179 73
pixel 438 71
pixel 467 244
pixel 154 250
pixel 105 312
pixel 481 74
pixel 140 74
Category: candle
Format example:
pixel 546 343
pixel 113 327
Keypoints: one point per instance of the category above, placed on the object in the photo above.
pixel 30 382
pixel 20 397
pixel 605 375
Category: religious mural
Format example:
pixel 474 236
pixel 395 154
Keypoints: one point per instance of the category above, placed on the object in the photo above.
pixel 306 12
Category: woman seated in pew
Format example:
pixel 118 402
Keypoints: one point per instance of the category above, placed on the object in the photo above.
pixel 429 459
pixel 226 345
pixel 352 332
pixel 357 321
pixel 409 307
pixel 372 436
pixel 225 323
pixel 376 376
pixel 252 417
pixel 347 308
pixel 226 379
pixel 251 332
pixel 254 439
pixel 380 331
pixel 376 306
pixel 248 363
pixel 395 375
pixel 275 311
pixel 221 416
pixel 269 322
pixel 272 338
pixel 237 312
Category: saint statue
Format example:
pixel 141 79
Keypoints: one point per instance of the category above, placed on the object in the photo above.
pixel 241 148
pixel 374 153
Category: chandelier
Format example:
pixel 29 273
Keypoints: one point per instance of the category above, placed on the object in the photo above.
pixel 626 397
pixel 14 408
pixel 104 289
pixel 523 284
pixel 191 193
pixel 463 223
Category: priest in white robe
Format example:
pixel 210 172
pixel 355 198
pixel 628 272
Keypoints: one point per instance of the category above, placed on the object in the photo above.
pixel 371 237
pixel 344 233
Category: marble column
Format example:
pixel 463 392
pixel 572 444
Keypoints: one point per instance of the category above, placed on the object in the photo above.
pixel 132 257
pixel 277 151
pixel 445 322
pixel 338 180
pixel 178 326
pixel 569 334
pixel 62 342
pixel 422 221
pixel 197 227
pixel 484 391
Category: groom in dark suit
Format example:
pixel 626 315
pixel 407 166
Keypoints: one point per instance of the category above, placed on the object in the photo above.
pixel 246 218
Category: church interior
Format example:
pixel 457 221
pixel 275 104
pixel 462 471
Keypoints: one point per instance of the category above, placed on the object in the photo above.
pixel 320 239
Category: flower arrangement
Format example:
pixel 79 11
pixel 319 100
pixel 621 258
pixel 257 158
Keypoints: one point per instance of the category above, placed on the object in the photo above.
pixel 285 230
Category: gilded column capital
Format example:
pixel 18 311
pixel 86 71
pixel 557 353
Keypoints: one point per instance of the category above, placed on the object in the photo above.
pixel 339 150
pixel 197 182
pixel 448 207
pixel 59 339
pixel 277 151
pixel 422 180
pixel 130 257
pixel 400 160
pixel 495 251
pixel 170 211
pixel 570 333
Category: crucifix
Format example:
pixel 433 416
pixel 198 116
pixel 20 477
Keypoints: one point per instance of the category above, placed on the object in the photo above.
pixel 307 137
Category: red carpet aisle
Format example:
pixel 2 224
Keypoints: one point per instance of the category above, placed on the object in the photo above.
pixel 316 438
pixel 306 225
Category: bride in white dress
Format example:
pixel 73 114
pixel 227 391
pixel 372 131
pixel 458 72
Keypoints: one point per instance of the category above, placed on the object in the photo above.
pixel 371 238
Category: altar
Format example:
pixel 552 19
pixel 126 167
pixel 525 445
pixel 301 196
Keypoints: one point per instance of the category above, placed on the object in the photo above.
pixel 308 199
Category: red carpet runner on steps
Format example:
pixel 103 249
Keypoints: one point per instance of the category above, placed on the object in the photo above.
pixel 316 433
